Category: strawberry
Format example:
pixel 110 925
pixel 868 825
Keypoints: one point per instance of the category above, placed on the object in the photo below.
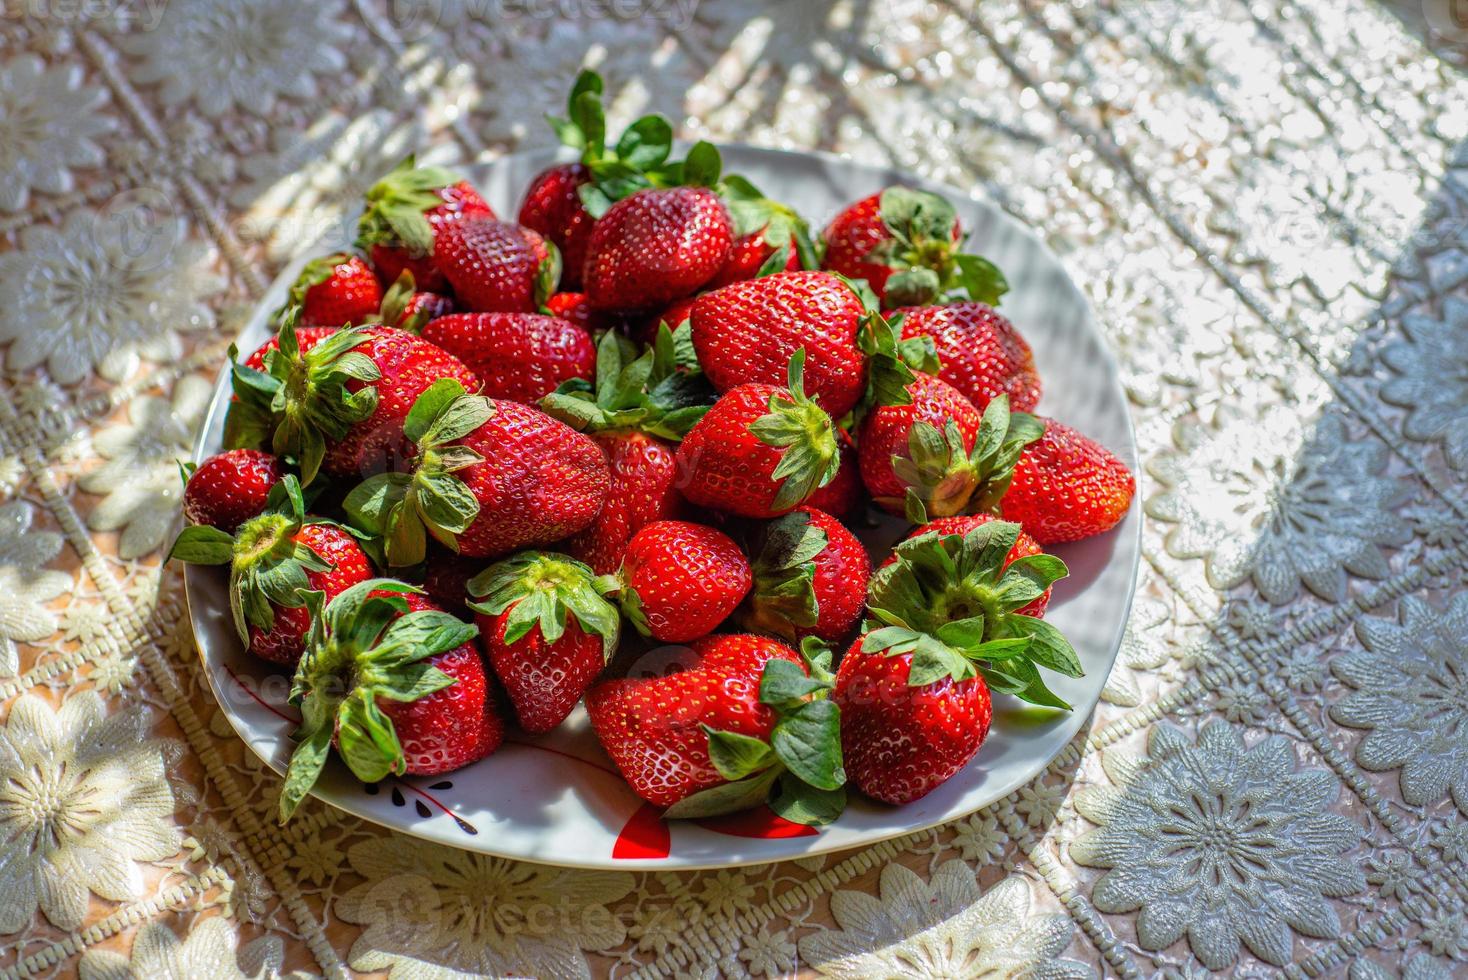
pixel 553 208
pixel 496 266
pixel 488 477
pixel 306 338
pixel 546 631
pixel 1067 487
pixel 446 580
pixel 640 408
pixel 903 242
pixel 981 353
pixel 395 684
pixel 405 211
pixel 275 559
pixel 761 450
pixel 231 487
pixel 948 625
pixel 843 495
pixel 810 577
pixel 341 405
pixel 336 290
pixel 1024 546
pixel 517 356
pixel 746 333
pixel 939 456
pixel 408 308
pixel 769 236
pixel 744 721
pixel 572 307
pixel 656 246
pixel 679 580
pixel 749 256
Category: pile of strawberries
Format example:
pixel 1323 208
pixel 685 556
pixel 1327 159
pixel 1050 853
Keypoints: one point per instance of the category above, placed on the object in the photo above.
pixel 486 466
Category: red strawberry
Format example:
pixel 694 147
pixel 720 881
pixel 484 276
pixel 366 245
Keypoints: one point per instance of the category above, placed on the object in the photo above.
pixel 306 338
pixel 336 290
pixel 761 450
pixel 572 307
pixel 939 456
pixel 810 577
pixel 1024 546
pixel 405 211
pixel 496 266
pixel 681 580
pixel 231 487
pixel 345 399
pixel 645 329
pixel 981 353
pixel 639 409
pixel 903 242
pixel 843 495
pixel 446 580
pixel 517 356
pixel 656 246
pixel 741 719
pixel 746 333
pixel 546 631
pixel 553 208
pixel 274 558
pixel 914 694
pixel 1067 487
pixel 395 684
pixel 489 477
pixel 408 308
pixel 749 255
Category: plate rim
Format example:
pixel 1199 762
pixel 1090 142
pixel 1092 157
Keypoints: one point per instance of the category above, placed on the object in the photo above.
pixel 671 862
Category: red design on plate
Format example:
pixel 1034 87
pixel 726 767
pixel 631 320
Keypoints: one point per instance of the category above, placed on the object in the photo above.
pixel 645 835
pixel 760 822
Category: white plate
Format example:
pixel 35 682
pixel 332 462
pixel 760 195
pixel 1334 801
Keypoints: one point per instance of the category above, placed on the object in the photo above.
pixel 557 799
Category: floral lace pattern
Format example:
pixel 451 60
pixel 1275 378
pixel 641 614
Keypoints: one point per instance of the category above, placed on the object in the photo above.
pixel 1266 203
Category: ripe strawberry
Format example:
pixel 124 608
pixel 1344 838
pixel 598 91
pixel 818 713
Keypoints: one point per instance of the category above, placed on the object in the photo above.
pixel 395 684
pixel 488 477
pixel 903 242
pixel 306 338
pixel 446 580
pixel 644 329
pixel 572 307
pixel 341 405
pixel 408 308
pixel 769 236
pixel 939 456
pixel 336 290
pixel 749 256
pixel 231 487
pixel 274 559
pixel 746 333
pixel 639 410
pixel 546 630
pixel 810 577
pixel 743 721
pixel 656 246
pixel 679 581
pixel 517 356
pixel 761 450
pixel 496 266
pixel 553 208
pixel 405 211
pixel 981 353
pixel 1067 487
pixel 843 495
pixel 950 623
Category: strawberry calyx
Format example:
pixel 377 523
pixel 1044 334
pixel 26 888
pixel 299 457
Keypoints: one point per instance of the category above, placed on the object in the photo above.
pixel 891 360
pixel 800 427
pixel 638 160
pixel 923 252
pixel 798 771
pixel 783 595
pixel 952 601
pixel 313 273
pixel 658 392
pixel 362 647
pixel 944 478
pixel 396 206
pixel 268 564
pixel 395 302
pixel 545 590
pixel 311 400
pixel 751 211
pixel 397 511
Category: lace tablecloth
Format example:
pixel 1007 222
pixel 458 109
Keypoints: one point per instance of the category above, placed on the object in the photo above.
pixel 1267 202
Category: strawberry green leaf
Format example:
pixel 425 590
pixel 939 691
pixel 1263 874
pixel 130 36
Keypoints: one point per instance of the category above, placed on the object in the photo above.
pixel 307 761
pixel 369 505
pixel 1048 646
pixel 546 590
pixel 783 594
pixel 429 405
pixel 980 279
pixel 808 741
pixel 799 426
pixel 799 802
pixel 366 739
pixel 702 166
pixel 1027 578
pixel 646 143
pixel 785 687
pixel 725 798
pixel 736 756
pixel 203 545
pixel 413 682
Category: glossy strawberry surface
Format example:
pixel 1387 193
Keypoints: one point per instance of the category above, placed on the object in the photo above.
pixel 981 353
pixel 643 473
pixel 284 641
pixel 349 294
pixel 1067 486
pixel 493 266
pixel 230 488
pixel 553 207
pixel 686 578
pixel 460 201
pixel 884 432
pixel 543 680
pixel 722 465
pixel 748 255
pixel 518 356
pixel 656 246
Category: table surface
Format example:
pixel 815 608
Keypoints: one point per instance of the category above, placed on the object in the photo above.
pixel 1266 201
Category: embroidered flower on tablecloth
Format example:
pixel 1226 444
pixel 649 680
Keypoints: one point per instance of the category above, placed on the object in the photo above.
pixel 83 795
pixel 140 479
pixel 1431 368
pixel 1394 874
pixel 1259 498
pixel 725 892
pixel 767 954
pixel 212 949
pixel 49 121
pixel 1451 841
pixel 1446 934
pixel 1221 843
pixel 942 927
pixel 432 911
pixel 222 55
pixel 1420 967
pixel 980 838
pixel 26 585
pixel 103 290
pixel 1411 692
